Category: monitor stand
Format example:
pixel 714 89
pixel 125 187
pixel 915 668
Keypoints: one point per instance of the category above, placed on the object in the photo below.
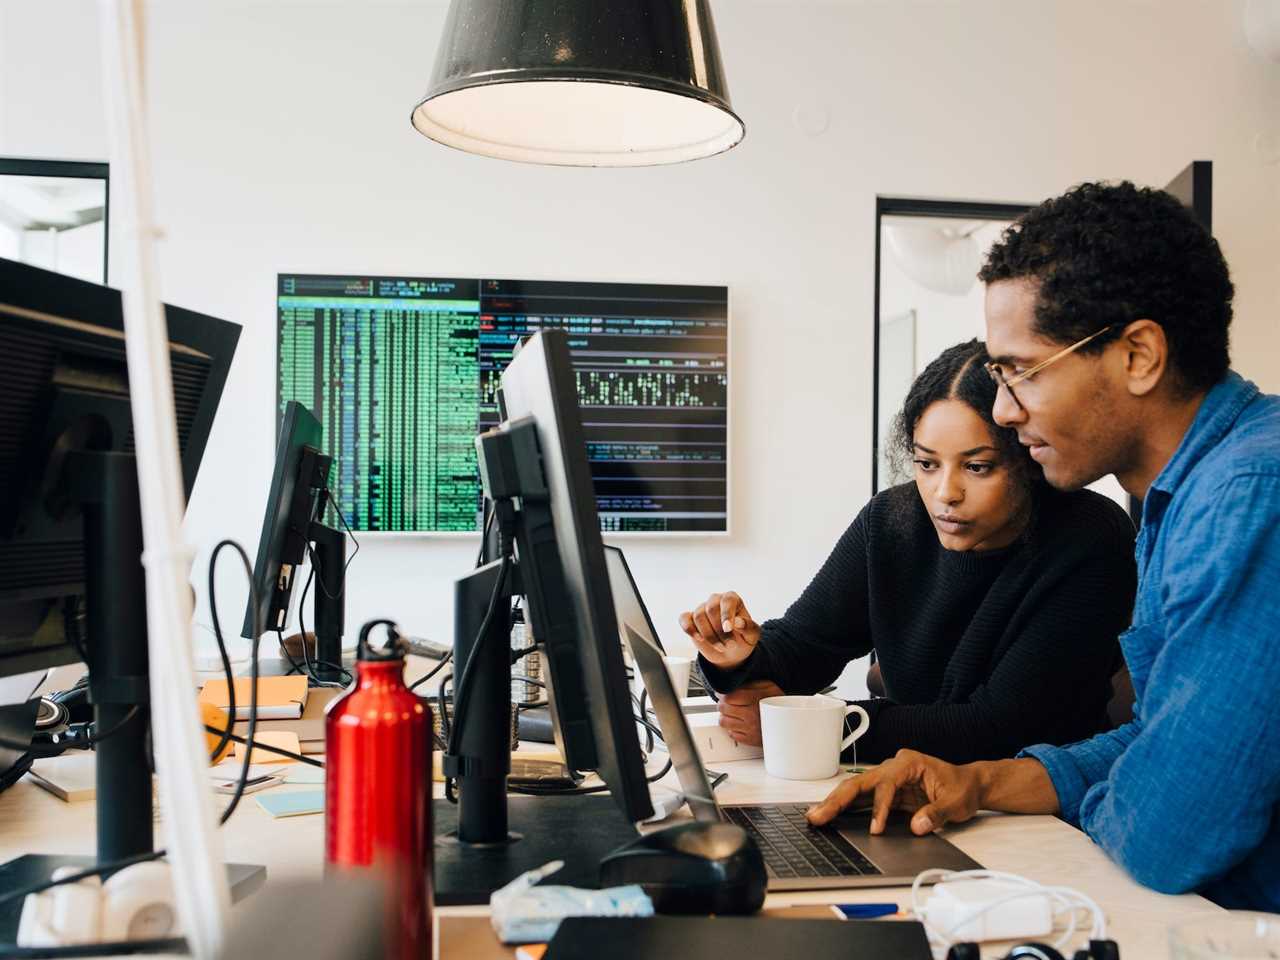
pixel 27 871
pixel 105 485
pixel 329 571
pixel 580 830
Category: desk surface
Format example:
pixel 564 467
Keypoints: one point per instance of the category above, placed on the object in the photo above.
pixel 1042 848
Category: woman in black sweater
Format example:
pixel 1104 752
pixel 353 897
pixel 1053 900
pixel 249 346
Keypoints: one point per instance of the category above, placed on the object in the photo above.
pixel 992 601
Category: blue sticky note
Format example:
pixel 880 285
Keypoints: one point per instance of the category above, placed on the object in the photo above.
pixel 295 804
pixel 305 773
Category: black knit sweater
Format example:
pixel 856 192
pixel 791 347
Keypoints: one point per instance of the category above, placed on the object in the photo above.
pixel 982 652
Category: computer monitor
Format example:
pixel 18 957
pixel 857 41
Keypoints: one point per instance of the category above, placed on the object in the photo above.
pixel 534 468
pixel 540 384
pixel 291 525
pixel 62 355
pixel 402 373
pixel 71 579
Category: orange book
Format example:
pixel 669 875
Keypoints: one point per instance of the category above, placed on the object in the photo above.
pixel 279 698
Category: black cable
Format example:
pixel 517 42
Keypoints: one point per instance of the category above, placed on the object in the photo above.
pixel 311 555
pixel 462 688
pixel 442 705
pixel 222 647
pixel 649 732
pixel 302 628
pixel 444 662
pixel 535 791
pixel 132 712
pixel 337 511
pixel 243 779
pixel 294 666
pixel 484 531
pixel 267 748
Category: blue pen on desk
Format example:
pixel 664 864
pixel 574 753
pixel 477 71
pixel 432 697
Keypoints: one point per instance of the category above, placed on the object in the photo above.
pixel 863 911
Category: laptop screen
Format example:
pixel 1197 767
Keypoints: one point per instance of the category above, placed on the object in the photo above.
pixel 627 604
pixel 674 727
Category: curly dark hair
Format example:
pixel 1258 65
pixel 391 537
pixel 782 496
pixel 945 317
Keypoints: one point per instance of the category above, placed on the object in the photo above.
pixel 957 374
pixel 1115 253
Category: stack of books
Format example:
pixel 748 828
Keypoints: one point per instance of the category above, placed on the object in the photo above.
pixel 285 705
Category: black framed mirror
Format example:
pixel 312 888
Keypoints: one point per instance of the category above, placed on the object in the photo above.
pixel 927 298
pixel 54 215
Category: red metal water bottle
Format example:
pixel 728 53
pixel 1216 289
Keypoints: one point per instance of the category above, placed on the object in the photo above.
pixel 378 788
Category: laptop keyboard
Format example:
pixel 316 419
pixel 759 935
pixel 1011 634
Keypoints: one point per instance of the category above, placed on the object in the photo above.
pixel 792 848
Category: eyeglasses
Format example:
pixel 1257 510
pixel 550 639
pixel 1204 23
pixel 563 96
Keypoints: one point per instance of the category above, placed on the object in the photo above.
pixel 997 370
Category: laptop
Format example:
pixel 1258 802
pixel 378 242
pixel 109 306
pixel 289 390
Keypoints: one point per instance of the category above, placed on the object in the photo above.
pixel 797 856
pixel 630 608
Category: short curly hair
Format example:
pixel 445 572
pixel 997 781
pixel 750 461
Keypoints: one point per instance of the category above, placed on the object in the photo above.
pixel 957 374
pixel 1114 253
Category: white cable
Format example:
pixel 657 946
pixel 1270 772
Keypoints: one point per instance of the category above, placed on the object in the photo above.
pixel 194 848
pixel 1067 902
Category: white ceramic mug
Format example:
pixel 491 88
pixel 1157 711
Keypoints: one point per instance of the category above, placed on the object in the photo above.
pixel 802 735
pixel 678 669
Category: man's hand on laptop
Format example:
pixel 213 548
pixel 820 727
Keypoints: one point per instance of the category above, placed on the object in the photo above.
pixel 740 711
pixel 722 630
pixel 937 793
pixel 934 791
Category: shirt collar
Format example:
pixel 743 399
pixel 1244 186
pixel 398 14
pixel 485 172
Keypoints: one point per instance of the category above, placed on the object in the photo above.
pixel 1217 413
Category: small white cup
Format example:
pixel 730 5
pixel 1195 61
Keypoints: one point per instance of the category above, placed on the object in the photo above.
pixel 803 735
pixel 678 670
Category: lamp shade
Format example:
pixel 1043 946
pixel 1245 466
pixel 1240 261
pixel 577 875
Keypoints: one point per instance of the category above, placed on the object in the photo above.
pixel 580 82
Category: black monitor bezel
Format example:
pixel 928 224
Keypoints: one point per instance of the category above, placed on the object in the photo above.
pixel 292 504
pixel 540 383
pixel 97 312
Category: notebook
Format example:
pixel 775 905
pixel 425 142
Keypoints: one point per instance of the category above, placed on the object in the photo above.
pixel 278 697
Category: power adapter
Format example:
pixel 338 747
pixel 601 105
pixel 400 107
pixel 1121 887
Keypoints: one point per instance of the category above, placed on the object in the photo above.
pixel 988 909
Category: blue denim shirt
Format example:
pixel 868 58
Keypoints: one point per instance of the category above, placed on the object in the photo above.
pixel 1187 796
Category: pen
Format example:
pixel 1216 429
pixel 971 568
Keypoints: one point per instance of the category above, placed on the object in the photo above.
pixel 863 911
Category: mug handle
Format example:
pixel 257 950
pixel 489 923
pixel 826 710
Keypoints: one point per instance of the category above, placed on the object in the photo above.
pixel 863 724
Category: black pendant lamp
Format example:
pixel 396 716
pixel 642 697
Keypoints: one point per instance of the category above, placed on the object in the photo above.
pixel 580 82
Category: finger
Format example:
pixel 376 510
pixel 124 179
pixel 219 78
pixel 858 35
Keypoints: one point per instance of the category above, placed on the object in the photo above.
pixel 712 651
pixel 880 806
pixel 928 819
pixel 686 624
pixel 742 714
pixel 743 697
pixel 736 728
pixel 711 610
pixel 838 799
pixel 742 622
pixel 730 605
pixel 704 626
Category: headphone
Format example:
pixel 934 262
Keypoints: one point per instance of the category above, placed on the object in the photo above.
pixel 1097 950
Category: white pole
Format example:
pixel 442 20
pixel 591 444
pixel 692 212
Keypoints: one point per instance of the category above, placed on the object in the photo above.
pixel 199 878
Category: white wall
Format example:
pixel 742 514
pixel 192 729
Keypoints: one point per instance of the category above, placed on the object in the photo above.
pixel 282 143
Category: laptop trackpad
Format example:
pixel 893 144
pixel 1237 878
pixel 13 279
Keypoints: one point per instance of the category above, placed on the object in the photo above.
pixel 898 852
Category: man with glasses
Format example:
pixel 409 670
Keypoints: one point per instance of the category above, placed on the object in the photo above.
pixel 1107 312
